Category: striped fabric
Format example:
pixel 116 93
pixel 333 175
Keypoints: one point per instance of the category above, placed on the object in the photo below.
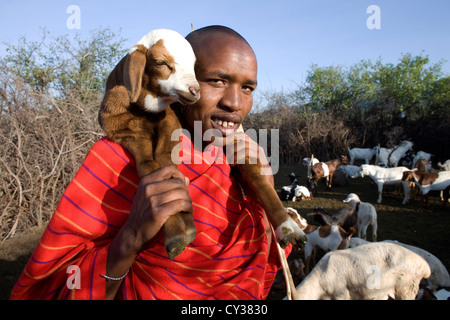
pixel 229 258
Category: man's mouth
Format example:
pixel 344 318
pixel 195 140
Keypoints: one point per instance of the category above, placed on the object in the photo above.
pixel 225 126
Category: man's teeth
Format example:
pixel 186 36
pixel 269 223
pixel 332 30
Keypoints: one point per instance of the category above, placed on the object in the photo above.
pixel 226 124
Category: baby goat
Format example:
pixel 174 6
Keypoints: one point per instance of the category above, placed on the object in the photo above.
pixel 429 182
pixel 365 154
pixel 325 170
pixel 345 218
pixel 367 215
pixel 156 72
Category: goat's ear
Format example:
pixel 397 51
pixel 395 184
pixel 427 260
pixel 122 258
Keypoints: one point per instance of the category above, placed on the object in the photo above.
pixel 351 231
pixel 133 71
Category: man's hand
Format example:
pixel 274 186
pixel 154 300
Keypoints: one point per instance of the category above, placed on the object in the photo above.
pixel 241 149
pixel 160 194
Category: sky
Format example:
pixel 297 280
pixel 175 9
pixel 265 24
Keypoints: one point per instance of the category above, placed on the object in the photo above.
pixel 287 36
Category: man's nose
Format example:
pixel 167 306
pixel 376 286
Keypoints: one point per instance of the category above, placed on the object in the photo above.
pixel 232 98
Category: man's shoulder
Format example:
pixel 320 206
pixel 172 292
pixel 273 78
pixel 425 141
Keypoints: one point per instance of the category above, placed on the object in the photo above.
pixel 111 153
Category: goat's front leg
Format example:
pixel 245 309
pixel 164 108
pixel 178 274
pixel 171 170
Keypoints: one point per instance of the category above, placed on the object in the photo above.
pixel 406 191
pixel 286 229
pixel 179 229
pixel 380 192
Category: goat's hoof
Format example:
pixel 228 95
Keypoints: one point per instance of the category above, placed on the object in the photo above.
pixel 290 232
pixel 287 236
pixel 191 231
pixel 175 246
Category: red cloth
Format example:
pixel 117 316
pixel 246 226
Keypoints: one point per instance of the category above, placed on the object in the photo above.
pixel 227 260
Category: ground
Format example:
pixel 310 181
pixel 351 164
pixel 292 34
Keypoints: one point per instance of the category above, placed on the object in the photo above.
pixel 427 228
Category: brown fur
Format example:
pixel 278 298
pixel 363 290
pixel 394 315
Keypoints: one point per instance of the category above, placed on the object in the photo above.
pixel 325 231
pixel 148 136
pixel 317 172
pixel 267 196
pixel 425 179
pixel 124 119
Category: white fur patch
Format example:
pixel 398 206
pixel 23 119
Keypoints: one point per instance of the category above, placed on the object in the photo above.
pixel 326 171
pixel 184 58
pixel 155 105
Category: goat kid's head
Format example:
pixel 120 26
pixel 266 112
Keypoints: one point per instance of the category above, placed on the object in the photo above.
pixel 344 159
pixel 351 197
pixel 159 70
pixel 364 170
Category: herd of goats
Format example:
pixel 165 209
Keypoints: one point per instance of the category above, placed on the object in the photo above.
pixel 361 269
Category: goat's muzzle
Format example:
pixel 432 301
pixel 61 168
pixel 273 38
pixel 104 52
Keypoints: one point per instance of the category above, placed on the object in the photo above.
pixel 190 96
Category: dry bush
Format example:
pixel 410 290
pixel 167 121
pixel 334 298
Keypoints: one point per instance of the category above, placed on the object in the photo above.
pixel 302 133
pixel 42 144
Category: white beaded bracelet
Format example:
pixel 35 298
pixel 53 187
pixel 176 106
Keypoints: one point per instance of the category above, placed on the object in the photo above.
pixel 114 279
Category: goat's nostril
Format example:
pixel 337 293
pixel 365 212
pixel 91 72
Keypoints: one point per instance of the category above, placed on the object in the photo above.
pixel 194 90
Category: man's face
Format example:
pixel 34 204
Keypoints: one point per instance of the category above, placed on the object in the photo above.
pixel 227 77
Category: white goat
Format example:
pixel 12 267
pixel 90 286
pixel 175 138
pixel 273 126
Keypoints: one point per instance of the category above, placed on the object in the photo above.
pixel 365 154
pixel 439 277
pixel 383 176
pixel 445 166
pixel 367 215
pixel 301 193
pixel 375 271
pixel 350 171
pixel 391 157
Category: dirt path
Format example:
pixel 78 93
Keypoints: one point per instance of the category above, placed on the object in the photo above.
pixel 14 255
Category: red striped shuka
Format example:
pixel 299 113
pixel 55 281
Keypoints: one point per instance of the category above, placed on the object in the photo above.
pixel 229 258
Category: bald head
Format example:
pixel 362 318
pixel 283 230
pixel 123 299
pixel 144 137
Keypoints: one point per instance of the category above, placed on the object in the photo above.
pixel 214 35
pixel 226 69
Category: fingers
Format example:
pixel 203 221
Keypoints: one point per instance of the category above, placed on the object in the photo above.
pixel 165 173
pixel 160 194
pixel 241 149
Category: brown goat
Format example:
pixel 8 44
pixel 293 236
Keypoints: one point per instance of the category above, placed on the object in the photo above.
pixel 345 218
pixel 427 182
pixel 135 113
pixel 325 170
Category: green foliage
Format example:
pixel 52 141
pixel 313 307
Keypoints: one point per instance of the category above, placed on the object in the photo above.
pixel 406 86
pixel 363 105
pixel 65 66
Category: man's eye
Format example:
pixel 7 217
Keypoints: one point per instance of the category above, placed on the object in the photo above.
pixel 248 89
pixel 216 81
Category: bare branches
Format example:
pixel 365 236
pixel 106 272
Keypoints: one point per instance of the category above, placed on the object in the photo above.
pixel 42 142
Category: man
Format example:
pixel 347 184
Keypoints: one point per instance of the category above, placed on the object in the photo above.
pixel 105 241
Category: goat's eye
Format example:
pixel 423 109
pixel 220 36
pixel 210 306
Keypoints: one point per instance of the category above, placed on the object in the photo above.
pixel 161 63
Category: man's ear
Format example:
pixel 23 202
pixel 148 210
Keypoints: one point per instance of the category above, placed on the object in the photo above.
pixel 134 70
